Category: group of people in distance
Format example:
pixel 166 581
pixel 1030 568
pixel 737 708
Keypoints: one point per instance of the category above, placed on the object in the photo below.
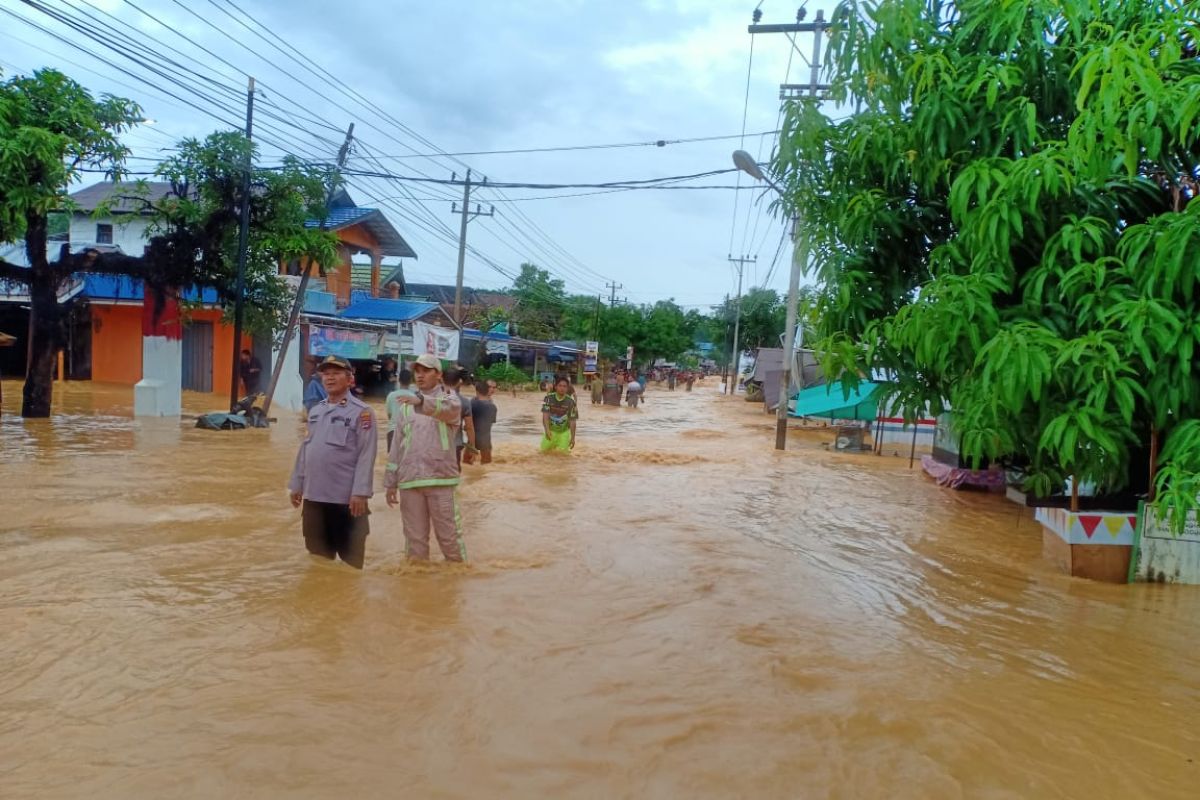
pixel 627 383
pixel 432 430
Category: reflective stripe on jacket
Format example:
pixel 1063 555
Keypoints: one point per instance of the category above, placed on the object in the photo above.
pixel 423 451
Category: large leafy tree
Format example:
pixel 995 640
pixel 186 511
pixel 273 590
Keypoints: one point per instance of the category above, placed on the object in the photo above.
pixel 201 216
pixel 50 129
pixel 1004 224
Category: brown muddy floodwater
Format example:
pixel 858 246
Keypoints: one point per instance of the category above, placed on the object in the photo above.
pixel 675 611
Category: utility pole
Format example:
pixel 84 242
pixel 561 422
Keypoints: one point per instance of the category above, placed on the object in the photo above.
pixel 731 384
pixel 243 243
pixel 596 318
pixel 298 300
pixel 612 286
pixel 467 216
pixel 795 91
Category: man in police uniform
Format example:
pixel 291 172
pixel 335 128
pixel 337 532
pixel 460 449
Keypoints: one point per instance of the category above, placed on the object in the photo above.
pixel 334 469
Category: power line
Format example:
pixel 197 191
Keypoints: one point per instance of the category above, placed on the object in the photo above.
pixel 149 60
pixel 742 143
pixel 404 128
pixel 138 56
pixel 630 183
pixel 570 148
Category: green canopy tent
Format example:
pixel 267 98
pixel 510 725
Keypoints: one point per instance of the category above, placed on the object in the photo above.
pixel 836 401
pixel 832 401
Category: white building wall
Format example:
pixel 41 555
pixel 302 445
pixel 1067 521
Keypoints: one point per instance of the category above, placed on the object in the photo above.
pixel 895 431
pixel 129 234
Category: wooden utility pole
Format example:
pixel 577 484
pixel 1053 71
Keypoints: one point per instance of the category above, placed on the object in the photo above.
pixel 467 216
pixel 298 300
pixel 731 384
pixel 239 299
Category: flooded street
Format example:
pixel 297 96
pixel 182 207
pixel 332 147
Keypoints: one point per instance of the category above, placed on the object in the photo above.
pixel 676 610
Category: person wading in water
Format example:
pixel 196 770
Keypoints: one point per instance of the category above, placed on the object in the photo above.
pixel 422 470
pixel 559 414
pixel 335 469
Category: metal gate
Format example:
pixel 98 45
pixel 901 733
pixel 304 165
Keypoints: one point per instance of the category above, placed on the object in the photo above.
pixel 198 357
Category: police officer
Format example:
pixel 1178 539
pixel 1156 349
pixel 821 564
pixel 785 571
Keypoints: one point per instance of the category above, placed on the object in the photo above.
pixel 334 468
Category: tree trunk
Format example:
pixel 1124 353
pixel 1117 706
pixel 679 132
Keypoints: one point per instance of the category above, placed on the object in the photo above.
pixel 44 323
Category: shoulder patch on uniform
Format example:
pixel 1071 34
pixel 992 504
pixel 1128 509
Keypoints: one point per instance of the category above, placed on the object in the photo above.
pixel 364 420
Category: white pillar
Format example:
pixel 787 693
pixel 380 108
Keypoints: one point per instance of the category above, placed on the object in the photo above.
pixel 160 391
pixel 289 392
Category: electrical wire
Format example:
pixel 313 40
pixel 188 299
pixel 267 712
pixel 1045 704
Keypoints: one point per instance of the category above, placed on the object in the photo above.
pixel 629 183
pixel 213 93
pixel 570 148
pixel 404 128
pixel 742 142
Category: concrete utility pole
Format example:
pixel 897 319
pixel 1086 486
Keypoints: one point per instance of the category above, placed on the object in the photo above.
pixel 596 318
pixel 243 243
pixel 467 216
pixel 731 384
pixel 612 286
pixel 793 91
pixel 298 300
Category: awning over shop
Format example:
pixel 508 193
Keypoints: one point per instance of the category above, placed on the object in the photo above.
pixel 555 350
pixel 831 401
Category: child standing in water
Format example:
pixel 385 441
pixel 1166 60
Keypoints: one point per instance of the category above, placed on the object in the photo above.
pixel 483 412
pixel 559 414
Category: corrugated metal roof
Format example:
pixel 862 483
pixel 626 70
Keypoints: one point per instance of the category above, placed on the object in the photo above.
pixel 385 308
pixel 89 198
pixel 121 287
pixel 341 217
pixel 391 243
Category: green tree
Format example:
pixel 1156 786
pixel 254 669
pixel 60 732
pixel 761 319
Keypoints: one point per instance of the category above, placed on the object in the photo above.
pixel 1003 224
pixel 763 317
pixel 662 333
pixel 50 130
pixel 201 215
pixel 581 316
pixel 540 300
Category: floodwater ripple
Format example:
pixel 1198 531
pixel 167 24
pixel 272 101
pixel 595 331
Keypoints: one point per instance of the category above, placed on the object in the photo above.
pixel 674 610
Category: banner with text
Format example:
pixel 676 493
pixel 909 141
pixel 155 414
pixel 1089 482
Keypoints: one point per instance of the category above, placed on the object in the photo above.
pixel 591 356
pixel 441 342
pixel 324 341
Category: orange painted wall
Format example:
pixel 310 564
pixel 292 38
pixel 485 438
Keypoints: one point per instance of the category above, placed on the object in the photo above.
pixel 117 344
pixel 222 348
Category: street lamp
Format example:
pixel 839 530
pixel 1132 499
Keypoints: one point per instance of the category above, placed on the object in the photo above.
pixel 746 163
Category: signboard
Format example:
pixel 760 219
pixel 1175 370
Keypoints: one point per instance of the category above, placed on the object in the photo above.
pixel 494 347
pixel 1161 555
pixel 342 342
pixel 591 356
pixel 441 342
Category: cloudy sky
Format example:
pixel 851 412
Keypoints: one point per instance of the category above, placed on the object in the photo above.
pixel 472 76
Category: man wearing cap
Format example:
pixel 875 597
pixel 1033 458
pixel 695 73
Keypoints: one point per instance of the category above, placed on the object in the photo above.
pixel 334 468
pixel 422 471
